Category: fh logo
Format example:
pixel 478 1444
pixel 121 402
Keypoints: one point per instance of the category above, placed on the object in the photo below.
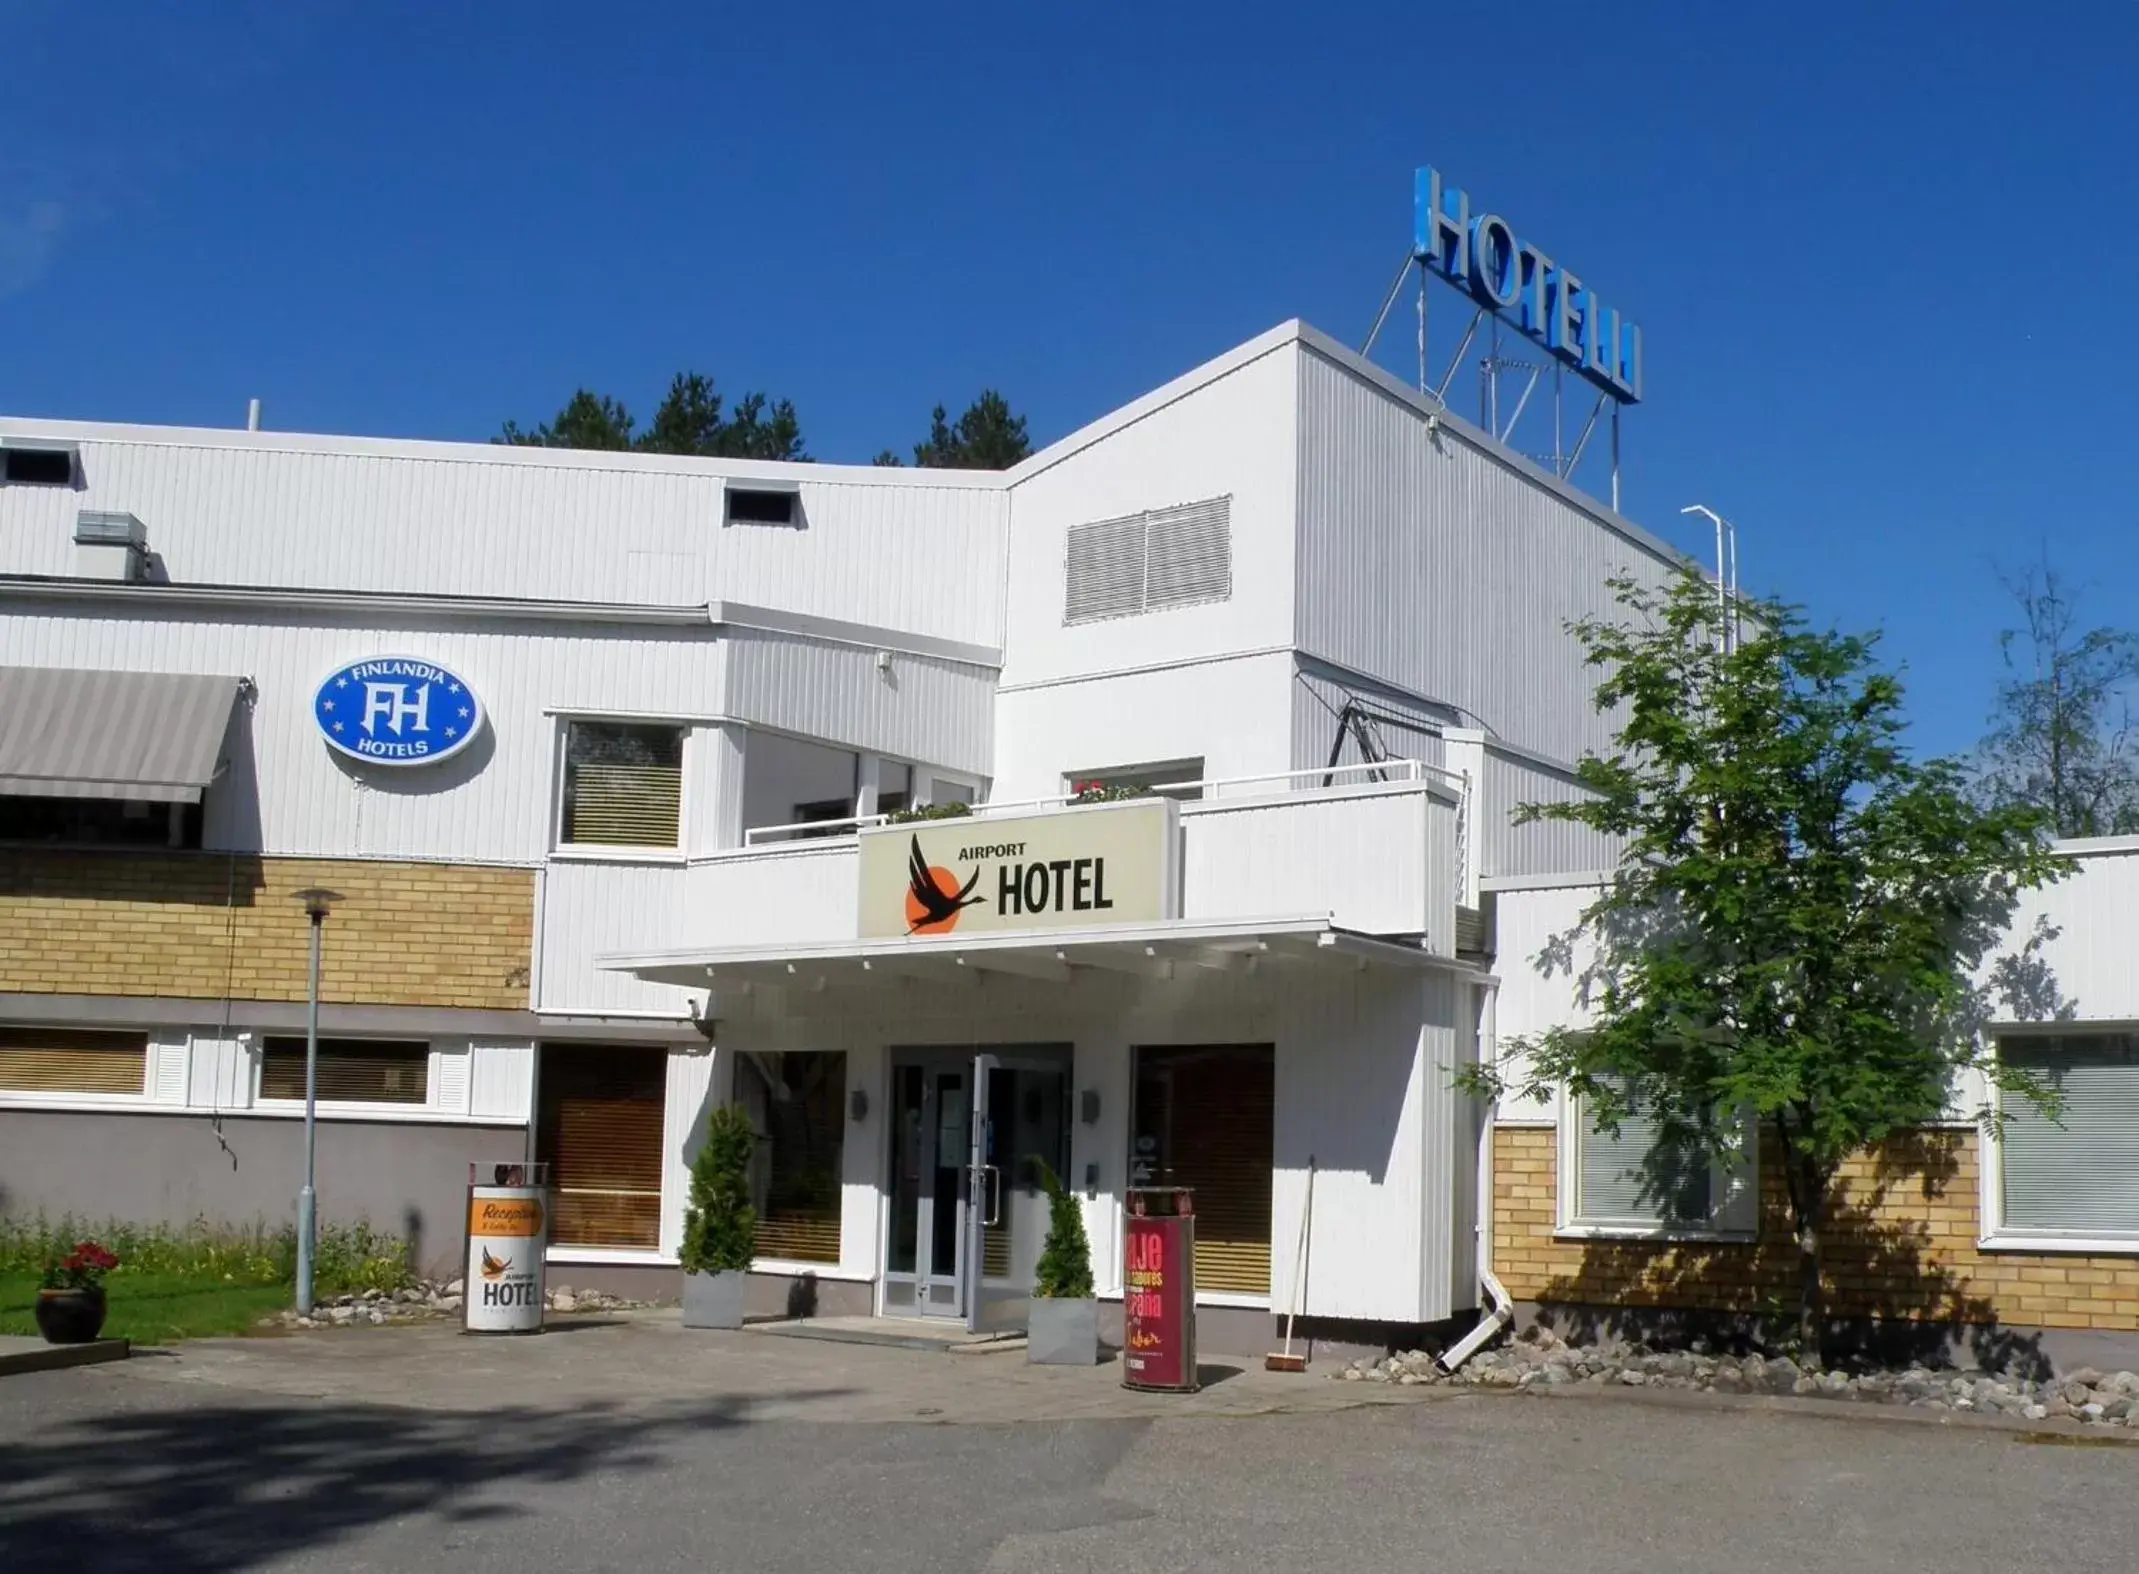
pixel 396 710
pixel 389 703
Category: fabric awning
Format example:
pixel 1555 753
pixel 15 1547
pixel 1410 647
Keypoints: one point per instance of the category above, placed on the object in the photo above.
pixel 144 736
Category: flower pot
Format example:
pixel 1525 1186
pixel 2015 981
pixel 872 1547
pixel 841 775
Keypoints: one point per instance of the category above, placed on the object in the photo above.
pixel 1062 1333
pixel 713 1300
pixel 70 1316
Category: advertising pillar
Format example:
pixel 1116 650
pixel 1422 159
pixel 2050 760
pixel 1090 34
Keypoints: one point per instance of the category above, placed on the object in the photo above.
pixel 508 1233
pixel 1159 1290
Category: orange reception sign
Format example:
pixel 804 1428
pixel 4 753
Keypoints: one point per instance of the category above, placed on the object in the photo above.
pixel 515 1218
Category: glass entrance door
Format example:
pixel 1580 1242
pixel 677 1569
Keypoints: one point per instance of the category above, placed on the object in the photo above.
pixel 1020 1139
pixel 968 1201
pixel 931 1152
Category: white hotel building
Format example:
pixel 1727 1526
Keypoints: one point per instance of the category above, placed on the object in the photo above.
pixel 668 865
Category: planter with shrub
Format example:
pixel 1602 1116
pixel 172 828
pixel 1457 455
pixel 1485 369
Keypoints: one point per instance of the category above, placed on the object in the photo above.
pixel 70 1303
pixel 1064 1326
pixel 719 1223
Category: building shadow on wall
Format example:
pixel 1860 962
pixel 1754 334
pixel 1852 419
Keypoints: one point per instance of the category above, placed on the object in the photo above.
pixel 1892 1298
pixel 230 1486
pixel 132 874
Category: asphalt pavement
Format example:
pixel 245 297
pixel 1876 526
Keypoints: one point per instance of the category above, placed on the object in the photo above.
pixel 211 1460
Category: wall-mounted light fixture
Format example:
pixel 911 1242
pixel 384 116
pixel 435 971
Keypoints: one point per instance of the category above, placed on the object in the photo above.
pixel 1088 1106
pixel 858 1105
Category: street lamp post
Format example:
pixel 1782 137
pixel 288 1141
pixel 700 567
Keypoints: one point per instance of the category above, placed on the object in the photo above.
pixel 317 902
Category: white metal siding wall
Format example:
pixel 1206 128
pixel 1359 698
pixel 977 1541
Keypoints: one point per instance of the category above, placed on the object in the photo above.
pixel 1232 715
pixel 1544 846
pixel 1539 961
pixel 589 909
pixel 1231 437
pixel 1437 565
pixel 1365 859
pixel 491 803
pixel 2091 957
pixel 924 708
pixel 292 511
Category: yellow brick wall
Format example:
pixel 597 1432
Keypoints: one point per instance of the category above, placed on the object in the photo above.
pixel 1900 1241
pixel 200 925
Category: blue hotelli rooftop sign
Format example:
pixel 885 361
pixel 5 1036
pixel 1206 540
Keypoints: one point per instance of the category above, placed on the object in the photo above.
pixel 1541 297
pixel 397 710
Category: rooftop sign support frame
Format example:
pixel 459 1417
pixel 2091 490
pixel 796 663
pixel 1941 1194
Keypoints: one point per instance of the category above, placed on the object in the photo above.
pixel 1513 284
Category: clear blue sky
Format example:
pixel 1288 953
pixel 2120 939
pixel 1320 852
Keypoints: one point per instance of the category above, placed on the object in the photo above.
pixel 1881 251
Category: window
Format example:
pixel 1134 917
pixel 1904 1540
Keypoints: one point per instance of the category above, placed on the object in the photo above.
pixel 1166 557
pixel 798 1101
pixel 894 786
pixel 599 1128
pixel 943 791
pixel 1205 1117
pixel 50 466
pixel 623 785
pixel 63 1060
pixel 1637 1181
pixel 351 1070
pixel 762 506
pixel 2079 1174
pixel 99 821
pixel 1140 778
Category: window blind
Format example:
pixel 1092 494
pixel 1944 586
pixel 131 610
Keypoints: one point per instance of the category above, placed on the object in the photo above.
pixel 623 785
pixel 1206 1118
pixel 1164 557
pixel 798 1102
pixel 62 1060
pixel 599 1127
pixel 351 1070
pixel 1635 1178
pixel 2080 1177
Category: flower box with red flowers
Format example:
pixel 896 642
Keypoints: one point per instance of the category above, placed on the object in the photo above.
pixel 70 1306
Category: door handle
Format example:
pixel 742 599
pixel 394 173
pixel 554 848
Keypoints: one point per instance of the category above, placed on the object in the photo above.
pixel 993 1180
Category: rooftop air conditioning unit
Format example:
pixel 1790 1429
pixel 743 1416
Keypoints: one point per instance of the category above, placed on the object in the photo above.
pixel 110 546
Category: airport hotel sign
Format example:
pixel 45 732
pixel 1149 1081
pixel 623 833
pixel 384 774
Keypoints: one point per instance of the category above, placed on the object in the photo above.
pixel 1093 864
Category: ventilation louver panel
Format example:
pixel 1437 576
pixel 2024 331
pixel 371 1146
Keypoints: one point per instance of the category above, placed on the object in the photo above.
pixel 1166 557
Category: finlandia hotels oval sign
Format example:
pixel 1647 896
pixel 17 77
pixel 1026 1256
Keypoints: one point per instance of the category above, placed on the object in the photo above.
pixel 396 710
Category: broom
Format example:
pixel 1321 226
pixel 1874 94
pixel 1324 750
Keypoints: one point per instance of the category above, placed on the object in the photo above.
pixel 1286 1361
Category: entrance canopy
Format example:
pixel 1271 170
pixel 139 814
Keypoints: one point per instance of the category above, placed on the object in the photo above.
pixel 148 737
pixel 1169 949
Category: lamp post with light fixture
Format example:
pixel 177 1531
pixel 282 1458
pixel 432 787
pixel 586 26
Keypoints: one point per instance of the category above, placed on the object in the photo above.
pixel 317 902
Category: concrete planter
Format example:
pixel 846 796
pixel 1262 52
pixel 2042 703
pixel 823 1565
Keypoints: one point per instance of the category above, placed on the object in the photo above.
pixel 1062 1333
pixel 713 1300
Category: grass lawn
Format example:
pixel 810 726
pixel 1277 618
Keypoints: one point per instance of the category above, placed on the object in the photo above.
pixel 154 1308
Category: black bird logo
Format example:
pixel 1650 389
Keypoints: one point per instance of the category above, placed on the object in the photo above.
pixel 934 898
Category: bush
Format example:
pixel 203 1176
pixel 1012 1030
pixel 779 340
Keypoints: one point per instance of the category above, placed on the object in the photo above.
pixel 1064 1272
pixel 929 811
pixel 719 1223
pixel 349 1258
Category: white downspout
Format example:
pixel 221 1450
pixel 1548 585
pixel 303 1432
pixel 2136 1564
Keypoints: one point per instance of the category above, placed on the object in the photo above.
pixel 1501 1310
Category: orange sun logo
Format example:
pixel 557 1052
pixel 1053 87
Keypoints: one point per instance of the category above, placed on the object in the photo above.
pixel 934 898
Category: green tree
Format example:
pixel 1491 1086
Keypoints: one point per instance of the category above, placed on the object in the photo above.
pixel 1796 928
pixel 719 1221
pixel 689 420
pixel 989 436
pixel 588 420
pixel 1064 1271
pixel 2060 736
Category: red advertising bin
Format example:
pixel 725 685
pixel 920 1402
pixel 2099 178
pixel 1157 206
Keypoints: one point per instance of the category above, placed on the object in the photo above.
pixel 1159 1290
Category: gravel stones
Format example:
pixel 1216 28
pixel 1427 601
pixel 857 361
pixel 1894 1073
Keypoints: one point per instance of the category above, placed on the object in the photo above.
pixel 1539 1358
